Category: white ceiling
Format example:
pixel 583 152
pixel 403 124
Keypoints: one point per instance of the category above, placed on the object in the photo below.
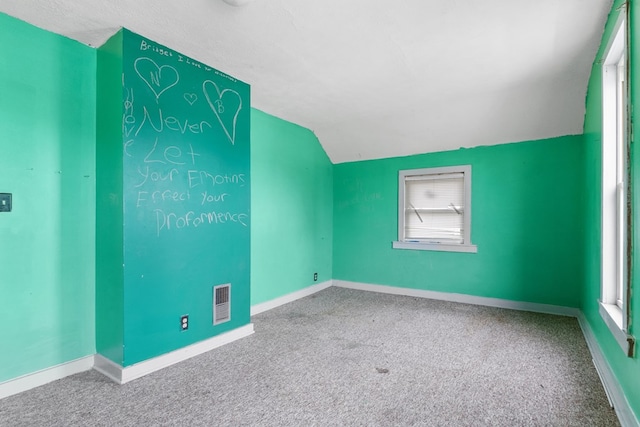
pixel 375 78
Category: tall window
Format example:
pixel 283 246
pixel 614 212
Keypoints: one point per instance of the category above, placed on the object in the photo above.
pixel 434 209
pixel 616 213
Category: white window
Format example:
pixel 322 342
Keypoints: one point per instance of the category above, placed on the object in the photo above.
pixel 434 209
pixel 616 217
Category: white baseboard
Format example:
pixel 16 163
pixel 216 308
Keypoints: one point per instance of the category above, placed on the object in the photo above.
pixel 36 379
pixel 611 386
pixel 462 298
pixel 107 368
pixel 268 305
pixel 123 375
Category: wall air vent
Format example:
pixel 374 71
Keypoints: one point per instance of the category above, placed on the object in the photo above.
pixel 221 303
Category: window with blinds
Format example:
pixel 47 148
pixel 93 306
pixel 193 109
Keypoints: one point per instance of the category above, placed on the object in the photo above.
pixel 434 209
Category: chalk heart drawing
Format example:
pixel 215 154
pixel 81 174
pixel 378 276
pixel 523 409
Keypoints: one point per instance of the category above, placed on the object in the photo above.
pixel 191 98
pixel 159 79
pixel 226 105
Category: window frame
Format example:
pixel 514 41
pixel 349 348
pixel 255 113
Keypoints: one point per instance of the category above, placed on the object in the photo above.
pixel 434 245
pixel 616 218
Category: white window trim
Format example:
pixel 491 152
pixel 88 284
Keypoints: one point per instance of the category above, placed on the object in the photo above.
pixel 466 246
pixel 613 268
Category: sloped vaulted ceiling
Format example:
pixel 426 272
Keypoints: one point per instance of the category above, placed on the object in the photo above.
pixel 375 78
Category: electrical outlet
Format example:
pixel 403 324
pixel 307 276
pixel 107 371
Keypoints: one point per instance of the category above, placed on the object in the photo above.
pixel 315 277
pixel 5 202
pixel 184 322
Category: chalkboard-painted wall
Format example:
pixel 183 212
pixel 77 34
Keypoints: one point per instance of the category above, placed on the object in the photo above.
pixel 180 156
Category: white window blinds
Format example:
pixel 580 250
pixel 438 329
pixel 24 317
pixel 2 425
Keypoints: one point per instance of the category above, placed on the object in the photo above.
pixel 434 207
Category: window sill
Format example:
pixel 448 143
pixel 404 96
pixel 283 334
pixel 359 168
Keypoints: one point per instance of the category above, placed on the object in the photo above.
pixel 612 316
pixel 417 246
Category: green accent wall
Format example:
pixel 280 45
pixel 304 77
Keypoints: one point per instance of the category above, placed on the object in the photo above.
pixel 109 249
pixel 47 133
pixel 292 202
pixel 626 370
pixel 174 183
pixel 526 223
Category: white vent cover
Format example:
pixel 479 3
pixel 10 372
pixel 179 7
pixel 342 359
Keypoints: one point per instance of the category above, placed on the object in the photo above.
pixel 221 303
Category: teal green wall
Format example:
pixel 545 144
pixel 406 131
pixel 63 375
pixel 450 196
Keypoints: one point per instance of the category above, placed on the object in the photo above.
pixel 292 208
pixel 526 223
pixel 626 370
pixel 72 303
pixel 158 258
pixel 47 133
pixel 109 203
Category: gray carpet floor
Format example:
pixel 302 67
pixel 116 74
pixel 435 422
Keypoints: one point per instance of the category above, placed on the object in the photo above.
pixel 351 358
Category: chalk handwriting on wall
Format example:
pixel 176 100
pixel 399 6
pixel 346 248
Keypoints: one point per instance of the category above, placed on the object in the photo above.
pixel 176 176
pixel 159 79
pixel 226 105
pixel 166 221
pixel 191 98
pixel 159 122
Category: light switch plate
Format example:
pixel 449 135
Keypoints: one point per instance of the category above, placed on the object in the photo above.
pixel 5 202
